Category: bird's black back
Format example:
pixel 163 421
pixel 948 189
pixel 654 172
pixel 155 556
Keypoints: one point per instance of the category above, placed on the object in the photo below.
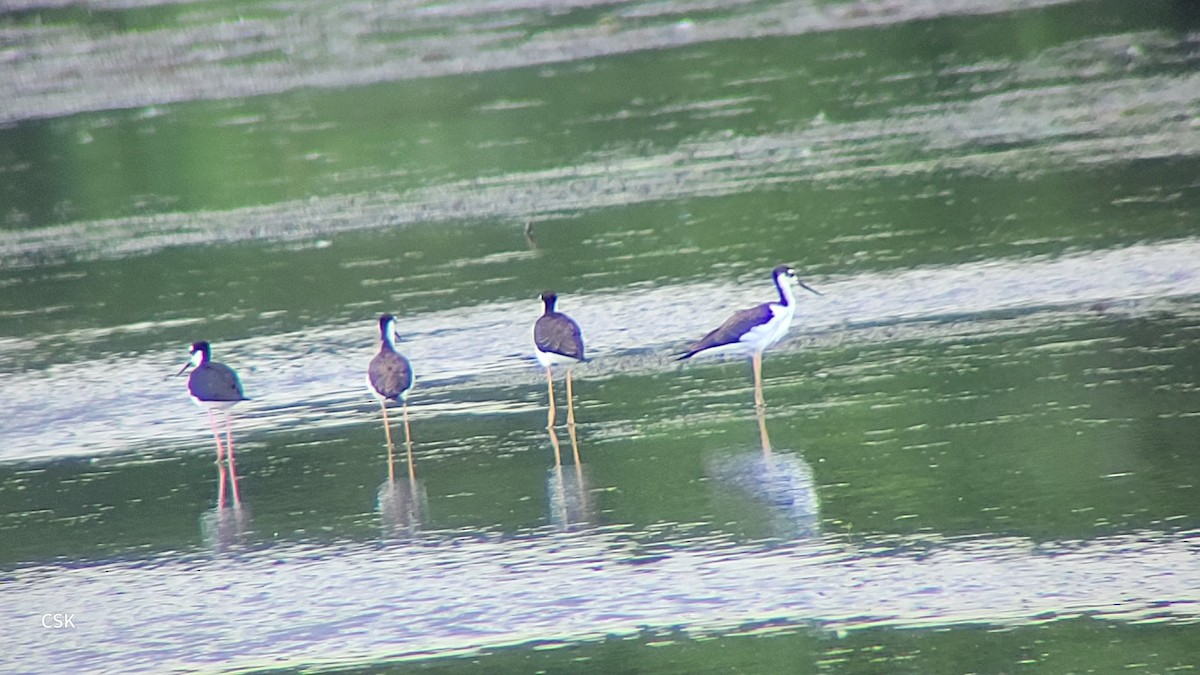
pixel 215 382
pixel 557 333
pixel 732 330
pixel 390 373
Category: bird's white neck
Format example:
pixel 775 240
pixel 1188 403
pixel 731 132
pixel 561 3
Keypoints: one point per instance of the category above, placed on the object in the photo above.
pixel 787 292
pixel 197 358
pixel 389 335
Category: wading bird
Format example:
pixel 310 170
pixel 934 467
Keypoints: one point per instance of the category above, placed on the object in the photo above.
pixel 214 386
pixel 391 377
pixel 750 331
pixel 558 341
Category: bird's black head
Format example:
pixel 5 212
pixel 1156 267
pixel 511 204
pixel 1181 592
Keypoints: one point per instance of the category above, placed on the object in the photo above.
pixel 549 298
pixel 387 328
pixel 786 272
pixel 201 352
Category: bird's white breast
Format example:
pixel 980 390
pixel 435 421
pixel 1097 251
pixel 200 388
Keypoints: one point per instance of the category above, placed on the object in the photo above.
pixel 548 359
pixel 214 405
pixel 767 334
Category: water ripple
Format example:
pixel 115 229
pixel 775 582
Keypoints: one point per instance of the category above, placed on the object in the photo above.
pixel 434 596
pixel 470 363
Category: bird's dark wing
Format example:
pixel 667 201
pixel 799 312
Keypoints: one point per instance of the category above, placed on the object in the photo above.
pixel 558 333
pixel 390 374
pixel 733 329
pixel 216 382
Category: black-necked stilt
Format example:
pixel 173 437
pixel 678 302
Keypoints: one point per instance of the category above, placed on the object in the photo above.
pixel 214 386
pixel 558 341
pixel 750 331
pixel 390 376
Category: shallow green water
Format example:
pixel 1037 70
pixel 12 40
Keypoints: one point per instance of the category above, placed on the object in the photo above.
pixel 983 451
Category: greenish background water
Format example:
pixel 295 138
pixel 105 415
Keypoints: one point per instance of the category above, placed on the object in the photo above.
pixel 983 435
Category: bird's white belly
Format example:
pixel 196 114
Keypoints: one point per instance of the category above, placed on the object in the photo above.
pixel 215 405
pixel 548 359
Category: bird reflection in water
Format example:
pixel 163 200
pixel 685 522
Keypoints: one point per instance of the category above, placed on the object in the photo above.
pixel 781 481
pixel 529 240
pixel 762 433
pixel 233 484
pixel 227 524
pixel 558 446
pixel 402 506
pixel 570 499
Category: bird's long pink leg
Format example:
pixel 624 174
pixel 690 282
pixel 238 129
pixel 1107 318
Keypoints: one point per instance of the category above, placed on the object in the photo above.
pixel 228 436
pixel 387 430
pixel 412 472
pixel 759 402
pixel 550 389
pixel 221 486
pixel 233 479
pixel 550 419
pixel 557 448
pixel 571 418
pixel 212 421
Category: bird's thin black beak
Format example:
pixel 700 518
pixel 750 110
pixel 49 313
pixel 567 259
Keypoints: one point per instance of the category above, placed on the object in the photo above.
pixel 184 369
pixel 808 288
